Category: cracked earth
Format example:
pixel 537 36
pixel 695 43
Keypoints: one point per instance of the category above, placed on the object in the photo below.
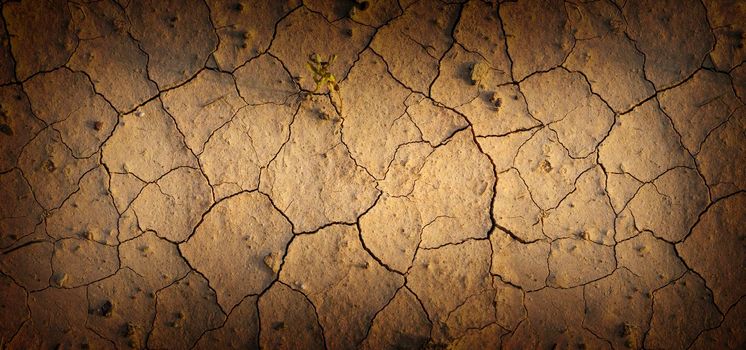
pixel 527 174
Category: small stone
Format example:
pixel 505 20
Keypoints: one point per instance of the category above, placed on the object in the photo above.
pixel 98 125
pixel 139 114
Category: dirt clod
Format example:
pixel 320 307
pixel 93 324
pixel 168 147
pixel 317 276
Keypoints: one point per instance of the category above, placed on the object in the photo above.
pixel 5 129
pixel 479 72
pixel 496 100
pixel 106 309
pixel 59 279
pixel 545 165
pixel 50 166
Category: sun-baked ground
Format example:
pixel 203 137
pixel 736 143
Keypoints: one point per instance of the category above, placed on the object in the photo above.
pixel 517 175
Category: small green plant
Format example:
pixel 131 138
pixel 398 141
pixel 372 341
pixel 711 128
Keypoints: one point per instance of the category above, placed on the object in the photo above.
pixel 323 77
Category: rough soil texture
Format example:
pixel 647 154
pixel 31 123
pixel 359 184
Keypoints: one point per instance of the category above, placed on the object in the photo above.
pixel 522 174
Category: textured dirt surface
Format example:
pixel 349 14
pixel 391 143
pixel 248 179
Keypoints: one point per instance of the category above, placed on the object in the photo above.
pixel 522 174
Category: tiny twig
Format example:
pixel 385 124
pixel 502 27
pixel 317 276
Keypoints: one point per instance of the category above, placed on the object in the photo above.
pixel 708 101
pixel 218 99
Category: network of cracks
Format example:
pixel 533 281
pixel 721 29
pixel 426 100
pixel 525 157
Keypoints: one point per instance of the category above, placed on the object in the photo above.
pixel 518 174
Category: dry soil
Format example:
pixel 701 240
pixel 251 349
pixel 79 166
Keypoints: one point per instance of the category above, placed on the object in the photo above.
pixel 522 174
